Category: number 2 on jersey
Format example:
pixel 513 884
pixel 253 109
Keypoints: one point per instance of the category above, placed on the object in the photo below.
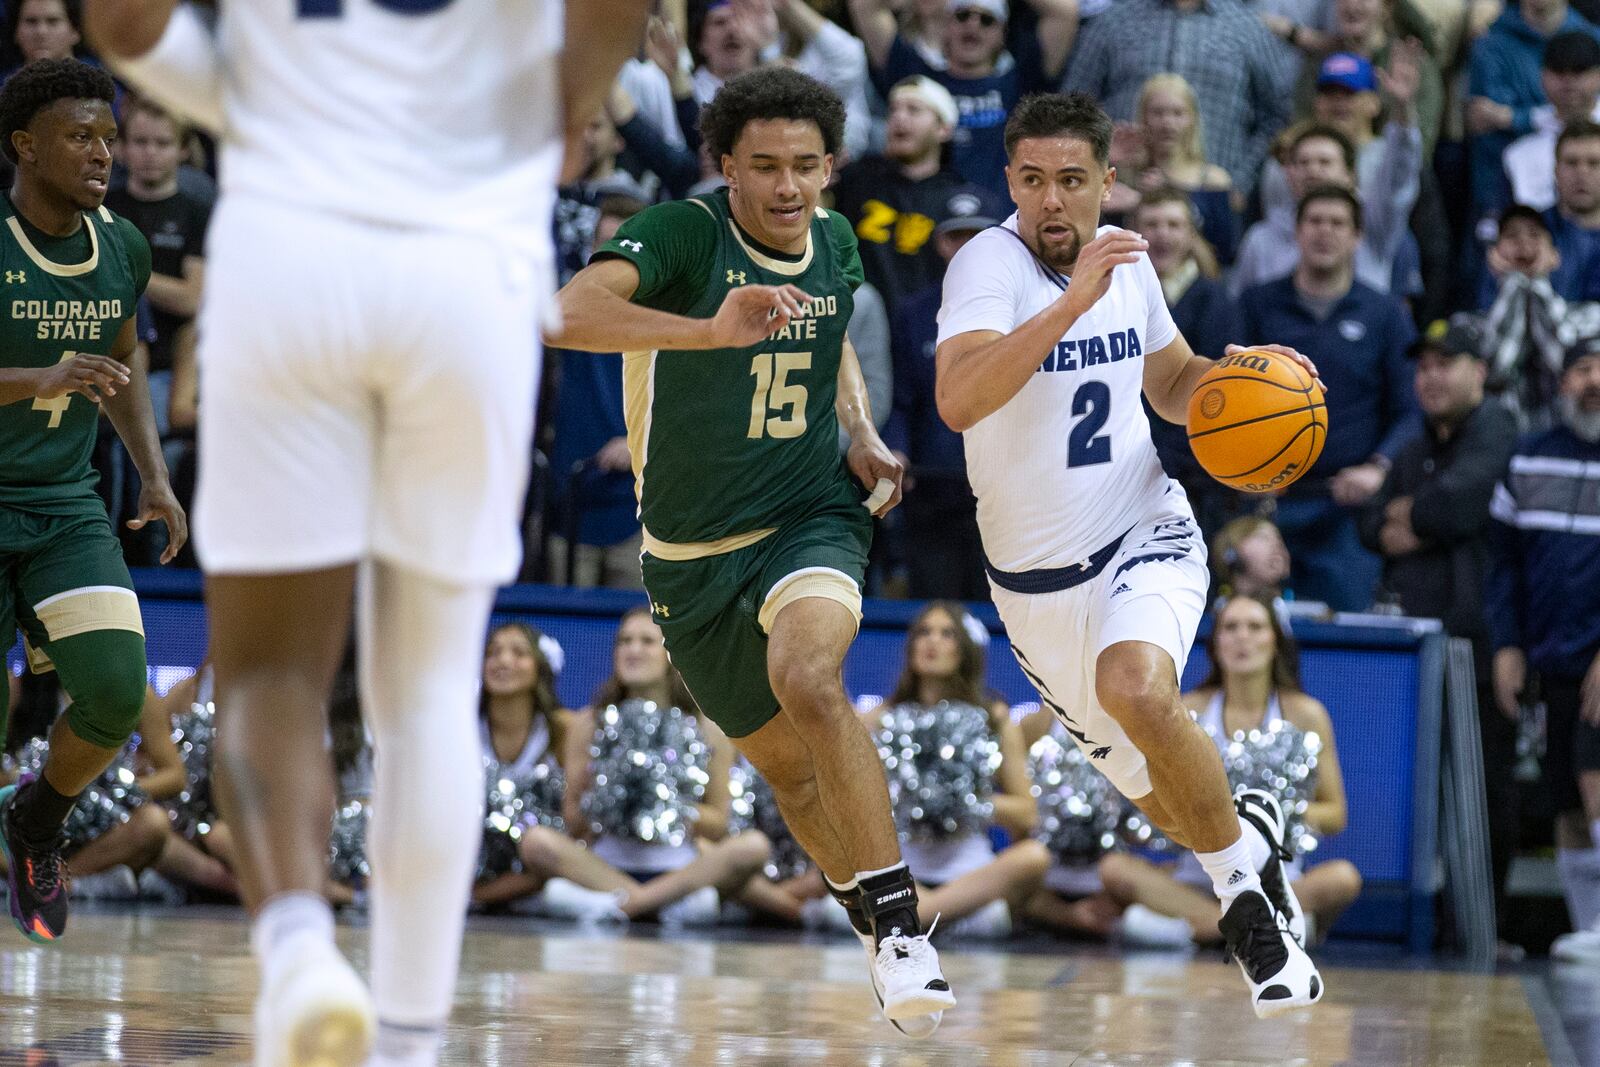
pixel 774 393
pixel 1092 403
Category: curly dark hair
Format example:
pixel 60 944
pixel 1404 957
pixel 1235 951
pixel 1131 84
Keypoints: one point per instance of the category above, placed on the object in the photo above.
pixel 771 93
pixel 1061 115
pixel 40 84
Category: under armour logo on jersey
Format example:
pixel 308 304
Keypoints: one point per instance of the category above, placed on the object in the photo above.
pixel 632 246
pixel 660 609
pixel 1100 753
pixel 14 276
pixel 736 277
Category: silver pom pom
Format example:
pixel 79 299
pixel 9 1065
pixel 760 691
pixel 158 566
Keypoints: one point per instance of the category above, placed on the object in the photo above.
pixel 517 799
pixel 193 731
pixel 754 807
pixel 108 802
pixel 347 845
pixel 649 772
pixel 1079 808
pixel 940 763
pixel 1280 759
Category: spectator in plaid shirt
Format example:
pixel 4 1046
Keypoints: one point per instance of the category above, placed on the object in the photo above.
pixel 1219 46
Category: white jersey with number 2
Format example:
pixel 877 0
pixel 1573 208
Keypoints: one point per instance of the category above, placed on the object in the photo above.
pixel 1067 465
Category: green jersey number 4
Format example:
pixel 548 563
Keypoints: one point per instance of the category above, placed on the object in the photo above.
pixel 57 407
pixel 778 408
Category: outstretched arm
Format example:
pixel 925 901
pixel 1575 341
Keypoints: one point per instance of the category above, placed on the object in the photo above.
pixel 876 27
pixel 597 315
pixel 1058 28
pixel 600 35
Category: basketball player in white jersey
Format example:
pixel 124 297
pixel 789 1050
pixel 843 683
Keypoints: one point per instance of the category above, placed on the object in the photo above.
pixel 1051 328
pixel 376 273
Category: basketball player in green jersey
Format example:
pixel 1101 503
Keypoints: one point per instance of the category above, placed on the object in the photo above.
pixel 731 310
pixel 71 274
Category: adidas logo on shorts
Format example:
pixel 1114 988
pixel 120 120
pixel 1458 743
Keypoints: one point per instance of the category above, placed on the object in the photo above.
pixel 1123 588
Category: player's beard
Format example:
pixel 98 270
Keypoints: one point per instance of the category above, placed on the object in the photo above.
pixel 1062 257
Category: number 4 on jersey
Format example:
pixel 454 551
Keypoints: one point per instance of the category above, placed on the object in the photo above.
pixel 57 406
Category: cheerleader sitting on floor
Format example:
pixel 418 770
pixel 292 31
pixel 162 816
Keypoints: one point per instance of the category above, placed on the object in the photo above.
pixel 1270 731
pixel 655 802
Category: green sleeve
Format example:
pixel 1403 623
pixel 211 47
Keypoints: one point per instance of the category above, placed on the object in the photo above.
pixel 138 253
pixel 844 242
pixel 670 244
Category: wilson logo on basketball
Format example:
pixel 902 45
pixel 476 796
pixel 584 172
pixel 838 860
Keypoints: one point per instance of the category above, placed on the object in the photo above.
pixel 1257 421
pixel 1283 477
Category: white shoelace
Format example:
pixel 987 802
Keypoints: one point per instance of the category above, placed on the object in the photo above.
pixel 898 953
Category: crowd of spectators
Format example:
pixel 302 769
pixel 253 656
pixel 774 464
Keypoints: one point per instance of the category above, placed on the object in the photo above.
pixel 1406 190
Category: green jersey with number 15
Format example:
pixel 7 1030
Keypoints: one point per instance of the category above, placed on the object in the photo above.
pixel 730 443
pixel 61 296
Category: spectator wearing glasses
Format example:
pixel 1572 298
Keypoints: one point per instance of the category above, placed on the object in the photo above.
pixel 985 81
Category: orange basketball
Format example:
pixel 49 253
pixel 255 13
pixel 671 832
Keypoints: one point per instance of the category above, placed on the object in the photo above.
pixel 1257 421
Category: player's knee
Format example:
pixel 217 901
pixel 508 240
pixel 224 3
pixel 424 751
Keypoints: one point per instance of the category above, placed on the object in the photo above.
pixel 808 689
pixel 1140 693
pixel 107 700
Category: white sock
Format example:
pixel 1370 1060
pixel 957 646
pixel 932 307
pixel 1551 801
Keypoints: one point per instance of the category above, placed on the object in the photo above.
pixel 421 651
pixel 844 887
pixel 1236 869
pixel 282 921
pixel 873 874
pixel 1580 884
pixel 1260 847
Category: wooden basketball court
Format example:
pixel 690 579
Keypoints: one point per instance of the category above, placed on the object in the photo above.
pixel 159 988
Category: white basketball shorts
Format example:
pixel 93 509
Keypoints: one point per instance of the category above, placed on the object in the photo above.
pixel 1151 589
pixel 365 392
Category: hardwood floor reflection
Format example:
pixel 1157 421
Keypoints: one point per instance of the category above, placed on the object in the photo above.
pixel 160 989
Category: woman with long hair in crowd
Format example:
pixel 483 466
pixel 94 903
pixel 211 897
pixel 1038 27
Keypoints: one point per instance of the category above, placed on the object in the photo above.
pixel 1254 683
pixel 523 726
pixel 621 877
pixel 1165 147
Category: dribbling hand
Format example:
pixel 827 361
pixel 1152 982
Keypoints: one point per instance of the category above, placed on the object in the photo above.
pixel 1091 275
pixel 752 313
pixel 92 376
pixel 1282 350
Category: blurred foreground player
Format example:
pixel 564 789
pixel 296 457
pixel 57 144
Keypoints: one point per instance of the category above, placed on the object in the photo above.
pixel 377 268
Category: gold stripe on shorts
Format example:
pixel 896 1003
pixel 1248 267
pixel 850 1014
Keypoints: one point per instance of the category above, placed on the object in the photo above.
pixel 93 607
pixel 677 552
